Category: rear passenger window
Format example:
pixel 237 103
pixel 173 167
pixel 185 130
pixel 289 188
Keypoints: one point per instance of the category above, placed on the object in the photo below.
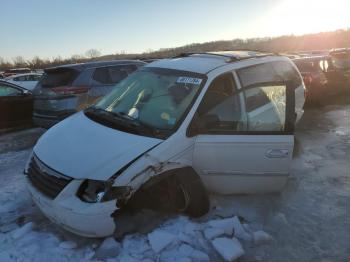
pixel 102 76
pixel 113 74
pixel 117 73
pixel 269 72
pixel 257 74
pixel 20 78
pixel 59 77
pixel 287 72
pixel 266 108
pixel 265 95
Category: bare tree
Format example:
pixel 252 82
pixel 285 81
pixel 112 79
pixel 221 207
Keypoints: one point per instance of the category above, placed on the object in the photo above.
pixel 36 63
pixel 19 61
pixel 92 53
pixel 77 58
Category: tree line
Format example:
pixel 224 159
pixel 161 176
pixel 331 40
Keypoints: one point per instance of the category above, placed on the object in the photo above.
pixel 285 44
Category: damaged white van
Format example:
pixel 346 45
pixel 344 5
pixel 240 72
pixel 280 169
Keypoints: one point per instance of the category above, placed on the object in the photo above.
pixel 169 133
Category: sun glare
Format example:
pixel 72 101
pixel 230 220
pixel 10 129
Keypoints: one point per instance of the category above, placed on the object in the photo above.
pixel 306 16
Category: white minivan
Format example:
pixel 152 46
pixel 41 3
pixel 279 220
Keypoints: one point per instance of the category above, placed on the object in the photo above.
pixel 175 129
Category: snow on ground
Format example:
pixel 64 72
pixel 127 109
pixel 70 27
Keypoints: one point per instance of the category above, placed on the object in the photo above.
pixel 308 221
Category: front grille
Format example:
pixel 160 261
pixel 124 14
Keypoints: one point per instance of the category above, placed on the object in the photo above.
pixel 47 181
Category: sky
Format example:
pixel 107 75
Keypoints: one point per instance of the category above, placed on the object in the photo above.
pixel 69 27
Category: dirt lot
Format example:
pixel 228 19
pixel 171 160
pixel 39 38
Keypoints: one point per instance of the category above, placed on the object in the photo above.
pixel 308 221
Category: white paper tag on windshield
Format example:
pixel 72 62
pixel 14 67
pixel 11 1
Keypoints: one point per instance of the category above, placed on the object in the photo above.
pixel 189 80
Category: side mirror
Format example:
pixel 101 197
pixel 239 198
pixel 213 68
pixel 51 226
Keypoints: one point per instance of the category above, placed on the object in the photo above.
pixel 26 93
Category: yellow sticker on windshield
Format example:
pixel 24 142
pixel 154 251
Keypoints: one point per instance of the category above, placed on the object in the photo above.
pixel 165 116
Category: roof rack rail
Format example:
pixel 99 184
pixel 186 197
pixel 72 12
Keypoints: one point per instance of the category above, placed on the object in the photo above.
pixel 230 58
pixel 201 53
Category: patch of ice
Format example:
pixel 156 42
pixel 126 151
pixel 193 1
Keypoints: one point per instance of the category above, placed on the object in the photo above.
pixel 68 245
pixel 212 232
pixel 108 248
pixel 191 227
pixel 20 232
pixel 125 257
pixel 246 227
pixel 147 260
pixel 239 230
pixel 199 256
pixel 89 255
pixel 229 249
pixel 5 257
pixel 261 237
pixel 160 239
pixel 172 255
pixel 280 220
pixel 8 227
pixel 185 238
pixel 186 250
pixel 226 224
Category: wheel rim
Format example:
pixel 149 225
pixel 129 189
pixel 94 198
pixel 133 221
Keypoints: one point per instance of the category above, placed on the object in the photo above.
pixel 186 199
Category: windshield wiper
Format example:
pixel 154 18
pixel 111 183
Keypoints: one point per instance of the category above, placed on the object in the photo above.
pixel 121 119
pixel 138 123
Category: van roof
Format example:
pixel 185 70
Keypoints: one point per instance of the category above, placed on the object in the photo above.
pixel 204 62
pixel 82 66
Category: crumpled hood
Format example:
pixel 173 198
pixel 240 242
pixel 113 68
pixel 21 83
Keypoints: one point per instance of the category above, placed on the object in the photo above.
pixel 83 149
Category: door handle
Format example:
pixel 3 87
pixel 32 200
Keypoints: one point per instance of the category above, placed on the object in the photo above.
pixel 277 153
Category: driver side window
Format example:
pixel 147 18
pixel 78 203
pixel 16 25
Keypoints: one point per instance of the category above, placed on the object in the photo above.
pixel 219 111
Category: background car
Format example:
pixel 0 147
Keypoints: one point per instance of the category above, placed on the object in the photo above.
pixel 314 77
pixel 16 105
pixel 28 81
pixel 16 71
pixel 66 89
pixel 338 71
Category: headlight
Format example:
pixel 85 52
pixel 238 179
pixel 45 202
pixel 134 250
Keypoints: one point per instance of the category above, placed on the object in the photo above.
pixel 94 191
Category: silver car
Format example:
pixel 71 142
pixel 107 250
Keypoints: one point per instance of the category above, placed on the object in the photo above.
pixel 66 89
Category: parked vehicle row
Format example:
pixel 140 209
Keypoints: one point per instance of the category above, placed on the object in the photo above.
pixel 16 71
pixel 314 77
pixel 324 73
pixel 150 142
pixel 64 90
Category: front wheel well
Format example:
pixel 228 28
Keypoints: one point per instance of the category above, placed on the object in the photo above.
pixel 176 190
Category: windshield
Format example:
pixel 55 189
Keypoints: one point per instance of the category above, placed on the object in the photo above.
pixel 153 97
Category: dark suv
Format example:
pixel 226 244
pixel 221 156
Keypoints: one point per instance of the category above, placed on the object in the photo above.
pixel 339 70
pixel 64 90
pixel 314 76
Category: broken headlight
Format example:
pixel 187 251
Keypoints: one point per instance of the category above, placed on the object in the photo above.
pixel 94 191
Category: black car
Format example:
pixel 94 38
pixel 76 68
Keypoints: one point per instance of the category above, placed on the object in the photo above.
pixel 16 106
pixel 339 68
pixel 314 76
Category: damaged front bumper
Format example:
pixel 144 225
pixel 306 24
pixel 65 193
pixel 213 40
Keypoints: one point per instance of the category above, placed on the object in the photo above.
pixel 74 215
